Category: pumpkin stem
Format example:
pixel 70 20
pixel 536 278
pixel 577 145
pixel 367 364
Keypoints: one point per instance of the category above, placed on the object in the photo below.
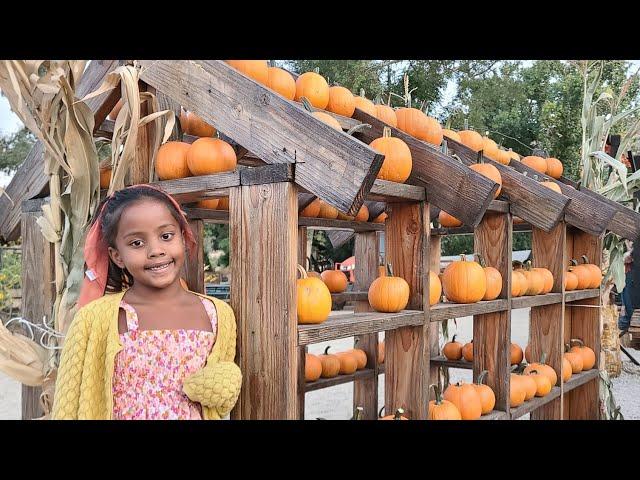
pixel 584 259
pixel 567 347
pixel 386 132
pixel 481 377
pixel 436 390
pixel 480 157
pixel 533 371
pixel 306 104
pixel 398 414
pixel 576 340
pixel 303 273
pixel 454 337
pixel 358 128
pixel 362 92
pixel 543 358
pixel 326 350
pixel 389 270
pixel 463 257
pixel 480 259
pixel 380 412
pixel 573 263
pixel 358 413
pixel 317 70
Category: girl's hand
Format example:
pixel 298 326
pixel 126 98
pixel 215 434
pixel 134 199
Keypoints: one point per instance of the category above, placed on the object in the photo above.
pixel 215 386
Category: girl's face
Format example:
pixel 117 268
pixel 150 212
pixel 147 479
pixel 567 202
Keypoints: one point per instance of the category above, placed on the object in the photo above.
pixel 149 244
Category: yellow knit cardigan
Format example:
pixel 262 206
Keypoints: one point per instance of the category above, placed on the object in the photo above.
pixel 84 382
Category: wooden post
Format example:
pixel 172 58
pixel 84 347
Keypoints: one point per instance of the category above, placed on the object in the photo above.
pixel 38 290
pixel 140 168
pixel 435 249
pixel 492 331
pixel 365 390
pixel 407 349
pixel 302 260
pixel 263 222
pixel 546 324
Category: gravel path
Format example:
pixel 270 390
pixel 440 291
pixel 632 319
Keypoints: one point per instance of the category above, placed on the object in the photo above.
pixel 336 402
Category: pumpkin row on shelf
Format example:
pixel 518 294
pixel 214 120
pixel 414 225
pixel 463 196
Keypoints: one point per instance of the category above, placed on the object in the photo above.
pixel 329 365
pixel 454 350
pixel 466 401
pixel 528 280
pixel 469 282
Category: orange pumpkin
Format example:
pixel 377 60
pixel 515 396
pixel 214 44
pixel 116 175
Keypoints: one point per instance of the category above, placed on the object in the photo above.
pixel 467 351
pixel 396 416
pixel 503 157
pixel 587 354
pixel 570 281
pixel 397 163
pixel 596 273
pixel 363 214
pixel 539 164
pixel 471 139
pixel 435 288
pixel 434 134
pixel 389 294
pixel 440 409
pixel 312 210
pixel 554 167
pixel 328 119
pixel 491 173
pixel 543 385
pixel 314 299
pixel 364 104
pixel 198 127
pixel 209 203
pixel 567 371
pixel 547 277
pixel 105 177
pixel 575 359
pixel 490 148
pixel 314 88
pixel 583 273
pixel 517 392
pixel 387 115
pixel 519 283
pixel 360 356
pixel 513 156
pixel 327 211
pixel 526 383
pixel 451 134
pixel 448 221
pixel 535 280
pixel 281 81
pixel 223 204
pixel 335 280
pixel 207 156
pixel 466 398
pixel 515 352
pixel 341 101
pixel 494 280
pixel 256 69
pixel 330 364
pixel 413 122
pixel 171 161
pixel 380 218
pixel 487 397
pixel 541 367
pixel 348 363
pixel 452 350
pixel 312 367
pixel 464 282
pixel 113 114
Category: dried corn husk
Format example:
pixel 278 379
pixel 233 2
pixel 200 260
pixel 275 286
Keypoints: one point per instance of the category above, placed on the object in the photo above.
pixel 21 358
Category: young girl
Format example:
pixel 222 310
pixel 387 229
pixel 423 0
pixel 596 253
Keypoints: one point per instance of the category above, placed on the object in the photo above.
pixel 148 349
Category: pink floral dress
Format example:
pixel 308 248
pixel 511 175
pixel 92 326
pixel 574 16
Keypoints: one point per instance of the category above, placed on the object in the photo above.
pixel 150 370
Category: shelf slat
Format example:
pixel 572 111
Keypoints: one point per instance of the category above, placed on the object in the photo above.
pixel 579 379
pixel 349 296
pixel 535 403
pixel 574 295
pixel 443 361
pixel 385 191
pixel 495 415
pixel 536 300
pixel 444 311
pixel 339 380
pixel 341 326
pixel 330 224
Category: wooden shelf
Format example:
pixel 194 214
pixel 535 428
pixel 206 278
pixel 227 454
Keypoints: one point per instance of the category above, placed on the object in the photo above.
pixel 444 311
pixel 465 230
pixel 498 206
pixel 385 191
pixel 206 214
pixel 350 296
pixel 443 361
pixel 495 415
pixel 574 295
pixel 535 403
pixel 348 325
pixel 536 300
pixel 579 379
pixel 339 380
pixel 330 224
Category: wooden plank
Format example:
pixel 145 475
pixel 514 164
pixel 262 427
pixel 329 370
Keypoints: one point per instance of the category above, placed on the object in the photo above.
pixel 282 172
pixel 407 350
pixel 546 326
pixel 194 266
pixel 353 296
pixel 536 403
pixel 140 169
pixel 38 294
pixel 263 235
pixel 30 179
pixel 167 103
pixel 304 199
pixel 365 390
pixel 534 203
pixel 190 189
pixel 360 375
pixel 579 379
pixel 302 351
pixel 574 295
pixel 584 211
pixel 339 237
pixel 332 165
pixel 435 250
pixel 208 215
pixel 625 222
pixel 465 230
pixel 357 324
pixel 330 224
pixel 536 300
pixel 446 310
pixel 498 206
pixel 442 361
pixel 492 331
pixel 495 415
pixel 385 191
pixel 438 172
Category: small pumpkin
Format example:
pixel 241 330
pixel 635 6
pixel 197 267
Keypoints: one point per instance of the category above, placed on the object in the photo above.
pixel 489 171
pixel 583 273
pixel 256 69
pixel 348 363
pixel 198 127
pixel 503 157
pixel 570 281
pixel 526 383
pixel 588 355
pixel 341 101
pixel 312 210
pixel 434 132
pixel 516 354
pixel 513 156
pixel 105 177
pixel 208 203
pixel 451 134
pixel 440 409
pixel 575 359
pixel 494 280
pixel 223 204
pixel 360 356
pixel 387 115
pixel 335 280
pixel 535 280
pixel 467 351
pixel 380 218
pixel 471 139
pixel 312 367
pixel 596 273
pixel 113 114
pixel 281 81
pixel 567 371
pixel 552 186
pixel 314 299
pixel 554 167
pixel 466 398
pixel 490 148
pixel 389 294
pixel 398 415
pixel 397 163
pixel 539 164
pixel 519 283
pixel 517 392
pixel 485 392
pixel 327 211
pixel 171 161
pixel 413 122
pixel 452 350
pixel 448 221
pixel 207 156
pixel 435 288
pixel 547 277
pixel 464 282
pixel 543 385
pixel 328 119
pixel 544 369
pixel 330 364
pixel 364 104
pixel 363 214
pixel 314 88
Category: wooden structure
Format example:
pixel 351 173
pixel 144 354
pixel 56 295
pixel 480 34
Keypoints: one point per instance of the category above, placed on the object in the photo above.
pixel 286 157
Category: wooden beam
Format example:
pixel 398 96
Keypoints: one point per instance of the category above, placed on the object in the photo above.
pixel 332 165
pixel 30 180
pixel 194 266
pixel 451 186
pixel 534 203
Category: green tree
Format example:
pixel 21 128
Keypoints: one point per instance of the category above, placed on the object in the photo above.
pixel 14 149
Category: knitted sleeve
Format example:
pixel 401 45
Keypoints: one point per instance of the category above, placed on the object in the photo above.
pixel 217 384
pixel 69 379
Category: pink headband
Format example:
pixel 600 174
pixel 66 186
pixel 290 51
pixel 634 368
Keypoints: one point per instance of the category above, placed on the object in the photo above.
pixel 96 253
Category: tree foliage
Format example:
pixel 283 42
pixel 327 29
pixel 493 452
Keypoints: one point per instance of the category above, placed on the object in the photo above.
pixel 14 149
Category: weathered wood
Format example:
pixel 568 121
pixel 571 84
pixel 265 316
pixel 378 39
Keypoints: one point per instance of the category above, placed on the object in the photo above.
pixel 443 311
pixel 442 361
pixel 495 415
pixel 407 350
pixel 536 300
pixel 385 191
pixel 498 206
pixel 585 212
pixel 339 237
pixel 330 224
pixel 365 390
pixel 574 295
pixel 263 241
pixel 167 103
pixel 546 325
pixel 301 383
pixel 30 179
pixel 38 294
pixel 302 247
pixel 353 296
pixel 492 331
pixel 359 377
pixel 194 266
pixel 535 404
pixel 282 172
pixel 464 230
pixel 579 379
pixel 343 326
pixel 331 164
pixel 208 215
pixel 435 250
pixel 436 171
pixel 193 188
pixel 141 168
pixel 304 199
pixel 534 203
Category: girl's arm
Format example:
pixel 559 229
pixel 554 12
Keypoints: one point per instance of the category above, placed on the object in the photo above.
pixel 67 393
